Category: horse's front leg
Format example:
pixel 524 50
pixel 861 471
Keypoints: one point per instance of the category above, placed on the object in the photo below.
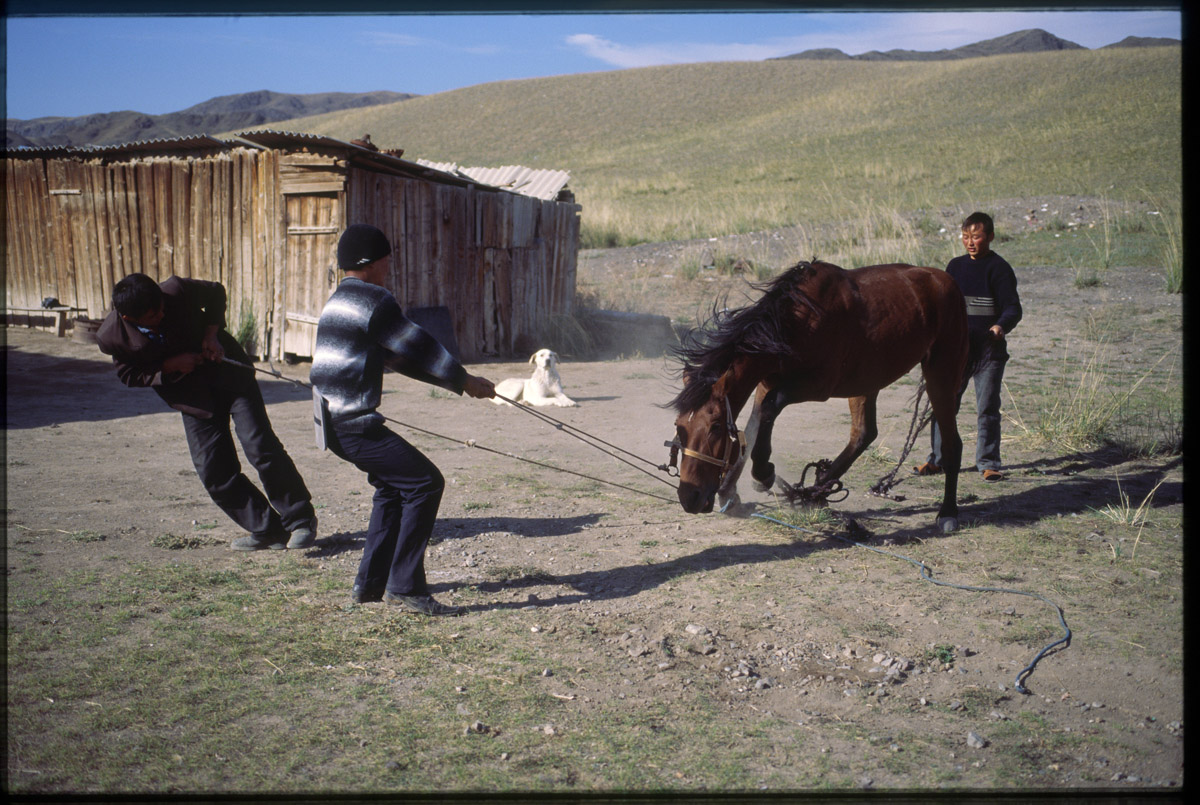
pixel 863 431
pixel 727 494
pixel 768 406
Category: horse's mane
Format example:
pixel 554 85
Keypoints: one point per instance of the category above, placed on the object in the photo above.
pixel 707 351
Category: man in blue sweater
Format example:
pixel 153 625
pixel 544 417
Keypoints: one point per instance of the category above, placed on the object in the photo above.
pixel 993 310
pixel 362 330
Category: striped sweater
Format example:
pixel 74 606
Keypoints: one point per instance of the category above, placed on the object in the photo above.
pixel 361 331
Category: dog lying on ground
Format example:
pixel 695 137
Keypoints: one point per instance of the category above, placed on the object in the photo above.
pixel 544 388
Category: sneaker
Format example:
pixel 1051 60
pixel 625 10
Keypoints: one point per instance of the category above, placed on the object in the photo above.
pixel 421 604
pixel 253 543
pixel 303 536
pixel 928 468
pixel 993 475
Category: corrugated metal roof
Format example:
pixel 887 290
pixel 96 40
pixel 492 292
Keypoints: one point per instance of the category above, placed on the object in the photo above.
pixel 161 145
pixel 540 183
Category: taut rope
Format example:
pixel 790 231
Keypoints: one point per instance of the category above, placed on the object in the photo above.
pixel 571 430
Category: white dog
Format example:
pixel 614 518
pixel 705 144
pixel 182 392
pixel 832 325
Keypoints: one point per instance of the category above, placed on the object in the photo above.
pixel 544 388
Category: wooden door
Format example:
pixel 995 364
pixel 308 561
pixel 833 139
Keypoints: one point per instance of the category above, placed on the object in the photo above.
pixel 310 266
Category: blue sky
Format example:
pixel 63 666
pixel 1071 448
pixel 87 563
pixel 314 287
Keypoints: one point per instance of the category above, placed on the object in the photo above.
pixel 69 66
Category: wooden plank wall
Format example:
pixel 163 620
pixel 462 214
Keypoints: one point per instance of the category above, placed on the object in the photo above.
pixel 74 227
pixel 500 262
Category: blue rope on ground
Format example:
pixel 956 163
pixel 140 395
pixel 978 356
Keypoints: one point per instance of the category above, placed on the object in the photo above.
pixel 928 576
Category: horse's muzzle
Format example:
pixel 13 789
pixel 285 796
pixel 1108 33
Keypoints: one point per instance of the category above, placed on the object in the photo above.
pixel 694 500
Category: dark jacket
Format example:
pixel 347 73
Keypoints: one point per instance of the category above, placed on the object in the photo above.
pixel 189 307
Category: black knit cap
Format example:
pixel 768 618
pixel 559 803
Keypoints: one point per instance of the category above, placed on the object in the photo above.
pixel 360 245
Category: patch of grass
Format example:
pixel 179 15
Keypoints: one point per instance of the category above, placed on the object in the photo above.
pixel 176 542
pixel 246 332
pixel 86 536
pixel 1081 411
pixel 941 653
pixel 806 517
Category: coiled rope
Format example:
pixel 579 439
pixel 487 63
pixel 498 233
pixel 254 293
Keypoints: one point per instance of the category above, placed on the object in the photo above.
pixel 927 574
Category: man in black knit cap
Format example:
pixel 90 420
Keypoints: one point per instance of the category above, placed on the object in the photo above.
pixel 362 330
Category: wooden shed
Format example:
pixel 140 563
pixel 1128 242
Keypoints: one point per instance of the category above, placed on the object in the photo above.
pixel 261 213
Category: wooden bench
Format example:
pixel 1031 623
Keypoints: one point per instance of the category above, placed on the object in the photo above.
pixel 57 314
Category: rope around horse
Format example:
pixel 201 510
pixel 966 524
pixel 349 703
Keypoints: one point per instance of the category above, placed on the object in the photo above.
pixel 928 576
pixel 920 418
pixel 472 443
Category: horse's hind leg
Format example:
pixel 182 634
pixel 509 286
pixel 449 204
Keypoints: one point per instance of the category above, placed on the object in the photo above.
pixel 942 380
pixel 863 431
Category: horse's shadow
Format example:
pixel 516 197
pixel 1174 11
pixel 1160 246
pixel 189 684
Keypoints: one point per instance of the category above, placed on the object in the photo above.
pixel 622 582
pixel 1067 494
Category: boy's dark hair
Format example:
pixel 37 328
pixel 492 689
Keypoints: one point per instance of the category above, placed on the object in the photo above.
pixel 136 295
pixel 980 218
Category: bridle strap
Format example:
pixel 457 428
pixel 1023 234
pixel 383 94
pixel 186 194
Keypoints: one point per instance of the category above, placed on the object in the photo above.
pixel 725 463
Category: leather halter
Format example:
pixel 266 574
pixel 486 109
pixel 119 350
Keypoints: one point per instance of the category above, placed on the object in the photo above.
pixel 726 462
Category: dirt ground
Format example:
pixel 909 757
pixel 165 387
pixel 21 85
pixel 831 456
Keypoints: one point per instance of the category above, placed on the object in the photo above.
pixel 796 625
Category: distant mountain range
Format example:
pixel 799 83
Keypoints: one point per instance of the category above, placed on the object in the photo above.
pixel 1033 40
pixel 226 113
pixel 235 112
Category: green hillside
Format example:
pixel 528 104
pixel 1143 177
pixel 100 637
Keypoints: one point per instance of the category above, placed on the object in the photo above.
pixel 708 149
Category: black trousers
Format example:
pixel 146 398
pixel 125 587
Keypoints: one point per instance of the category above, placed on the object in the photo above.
pixel 287 503
pixel 408 492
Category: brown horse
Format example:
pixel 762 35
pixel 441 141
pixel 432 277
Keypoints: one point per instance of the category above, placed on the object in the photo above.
pixel 818 331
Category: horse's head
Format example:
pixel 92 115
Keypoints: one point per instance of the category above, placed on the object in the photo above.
pixel 711 445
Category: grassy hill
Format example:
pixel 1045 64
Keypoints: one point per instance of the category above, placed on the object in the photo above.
pixel 697 150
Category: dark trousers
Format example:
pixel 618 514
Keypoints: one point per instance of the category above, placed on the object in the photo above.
pixel 408 492
pixel 287 503
pixel 988 378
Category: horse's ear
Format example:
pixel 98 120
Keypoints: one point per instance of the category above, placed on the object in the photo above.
pixel 721 387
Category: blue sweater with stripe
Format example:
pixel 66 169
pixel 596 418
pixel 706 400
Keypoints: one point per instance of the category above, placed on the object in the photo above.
pixel 361 331
pixel 990 287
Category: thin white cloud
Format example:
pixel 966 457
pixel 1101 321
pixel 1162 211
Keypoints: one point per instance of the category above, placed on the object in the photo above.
pixel 389 39
pixel 648 55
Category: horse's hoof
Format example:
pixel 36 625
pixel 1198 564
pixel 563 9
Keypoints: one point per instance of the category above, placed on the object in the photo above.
pixel 729 504
pixel 948 525
pixel 764 486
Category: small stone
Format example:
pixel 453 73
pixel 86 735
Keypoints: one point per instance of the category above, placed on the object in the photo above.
pixel 975 741
pixel 696 629
pixel 547 672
